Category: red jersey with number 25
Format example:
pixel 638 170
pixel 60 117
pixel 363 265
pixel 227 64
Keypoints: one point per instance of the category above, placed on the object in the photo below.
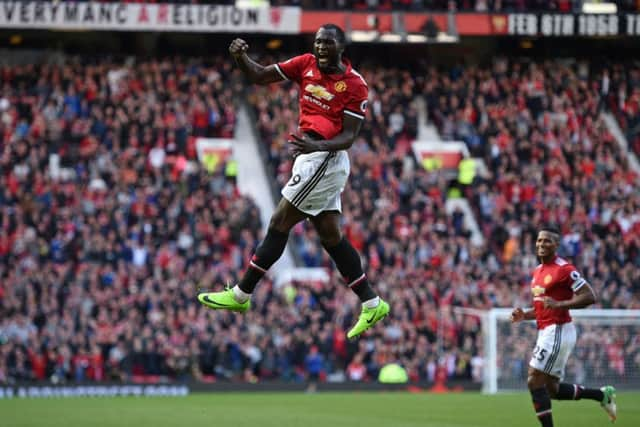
pixel 557 279
pixel 325 98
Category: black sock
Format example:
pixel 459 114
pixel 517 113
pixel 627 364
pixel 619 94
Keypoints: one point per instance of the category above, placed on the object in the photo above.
pixel 577 392
pixel 267 253
pixel 348 262
pixel 542 406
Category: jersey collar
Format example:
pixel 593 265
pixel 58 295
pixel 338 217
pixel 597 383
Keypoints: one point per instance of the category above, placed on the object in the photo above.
pixel 340 76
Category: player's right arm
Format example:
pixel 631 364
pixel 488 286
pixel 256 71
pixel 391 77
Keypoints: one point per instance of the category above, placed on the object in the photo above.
pixel 255 72
pixel 518 314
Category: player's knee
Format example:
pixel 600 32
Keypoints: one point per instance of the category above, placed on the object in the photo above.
pixel 277 223
pixel 553 386
pixel 535 381
pixel 328 232
pixel 280 222
pixel 329 238
pixel 330 242
pixel 552 389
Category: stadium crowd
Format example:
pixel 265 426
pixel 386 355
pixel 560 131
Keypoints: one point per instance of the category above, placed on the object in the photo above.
pixel 420 5
pixel 109 223
pixel 621 89
pixel 107 218
pixel 443 5
pixel 551 160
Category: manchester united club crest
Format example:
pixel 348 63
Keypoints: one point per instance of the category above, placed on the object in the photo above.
pixel 499 24
pixel 340 86
pixel 547 279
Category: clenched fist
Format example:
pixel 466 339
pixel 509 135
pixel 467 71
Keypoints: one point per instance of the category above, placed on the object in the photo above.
pixel 517 315
pixel 238 47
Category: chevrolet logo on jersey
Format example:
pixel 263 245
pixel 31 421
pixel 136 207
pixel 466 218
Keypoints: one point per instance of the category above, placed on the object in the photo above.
pixel 319 92
pixel 537 291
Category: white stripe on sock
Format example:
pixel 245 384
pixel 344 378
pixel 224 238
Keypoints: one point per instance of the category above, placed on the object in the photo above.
pixel 355 282
pixel 257 267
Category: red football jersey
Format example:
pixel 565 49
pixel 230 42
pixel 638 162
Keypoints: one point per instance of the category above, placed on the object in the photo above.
pixel 559 280
pixel 325 98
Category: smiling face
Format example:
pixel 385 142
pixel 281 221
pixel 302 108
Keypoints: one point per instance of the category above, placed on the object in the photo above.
pixel 328 49
pixel 546 245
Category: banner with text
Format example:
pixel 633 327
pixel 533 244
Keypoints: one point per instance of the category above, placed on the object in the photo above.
pixel 484 24
pixel 563 25
pixel 66 15
pixel 35 391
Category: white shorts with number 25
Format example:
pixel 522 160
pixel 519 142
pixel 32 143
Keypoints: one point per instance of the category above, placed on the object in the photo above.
pixel 317 180
pixel 553 347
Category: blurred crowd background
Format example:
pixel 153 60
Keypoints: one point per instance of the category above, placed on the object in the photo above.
pixel 109 224
pixel 421 5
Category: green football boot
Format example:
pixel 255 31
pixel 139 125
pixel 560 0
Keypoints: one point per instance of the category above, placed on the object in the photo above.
pixel 369 317
pixel 609 402
pixel 224 300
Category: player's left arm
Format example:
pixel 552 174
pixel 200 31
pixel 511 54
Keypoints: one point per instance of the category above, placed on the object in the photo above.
pixel 583 294
pixel 350 128
pixel 583 297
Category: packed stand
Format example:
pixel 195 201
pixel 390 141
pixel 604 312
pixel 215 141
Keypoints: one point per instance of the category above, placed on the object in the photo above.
pixel 104 244
pixel 620 90
pixel 108 221
pixel 415 255
pixel 421 5
pixel 552 159
pixel 528 130
pixel 444 5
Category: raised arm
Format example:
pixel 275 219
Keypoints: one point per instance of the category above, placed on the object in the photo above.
pixel 344 140
pixel 255 72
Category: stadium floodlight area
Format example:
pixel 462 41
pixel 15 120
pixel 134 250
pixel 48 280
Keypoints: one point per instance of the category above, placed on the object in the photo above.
pixel 599 7
pixel 607 350
pixel 369 36
pixel 251 4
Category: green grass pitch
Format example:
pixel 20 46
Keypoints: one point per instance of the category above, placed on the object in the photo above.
pixel 367 409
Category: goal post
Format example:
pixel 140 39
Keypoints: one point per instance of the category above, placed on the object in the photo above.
pixel 607 349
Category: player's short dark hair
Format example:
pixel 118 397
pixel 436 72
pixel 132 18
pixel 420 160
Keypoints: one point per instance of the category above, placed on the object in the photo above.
pixel 339 32
pixel 550 229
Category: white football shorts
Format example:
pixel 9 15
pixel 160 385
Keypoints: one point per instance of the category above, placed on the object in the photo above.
pixel 553 347
pixel 317 180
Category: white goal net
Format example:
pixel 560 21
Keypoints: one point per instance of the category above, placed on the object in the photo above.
pixel 607 350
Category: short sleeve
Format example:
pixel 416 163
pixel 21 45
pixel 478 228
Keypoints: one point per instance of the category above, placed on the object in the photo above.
pixel 293 68
pixel 356 106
